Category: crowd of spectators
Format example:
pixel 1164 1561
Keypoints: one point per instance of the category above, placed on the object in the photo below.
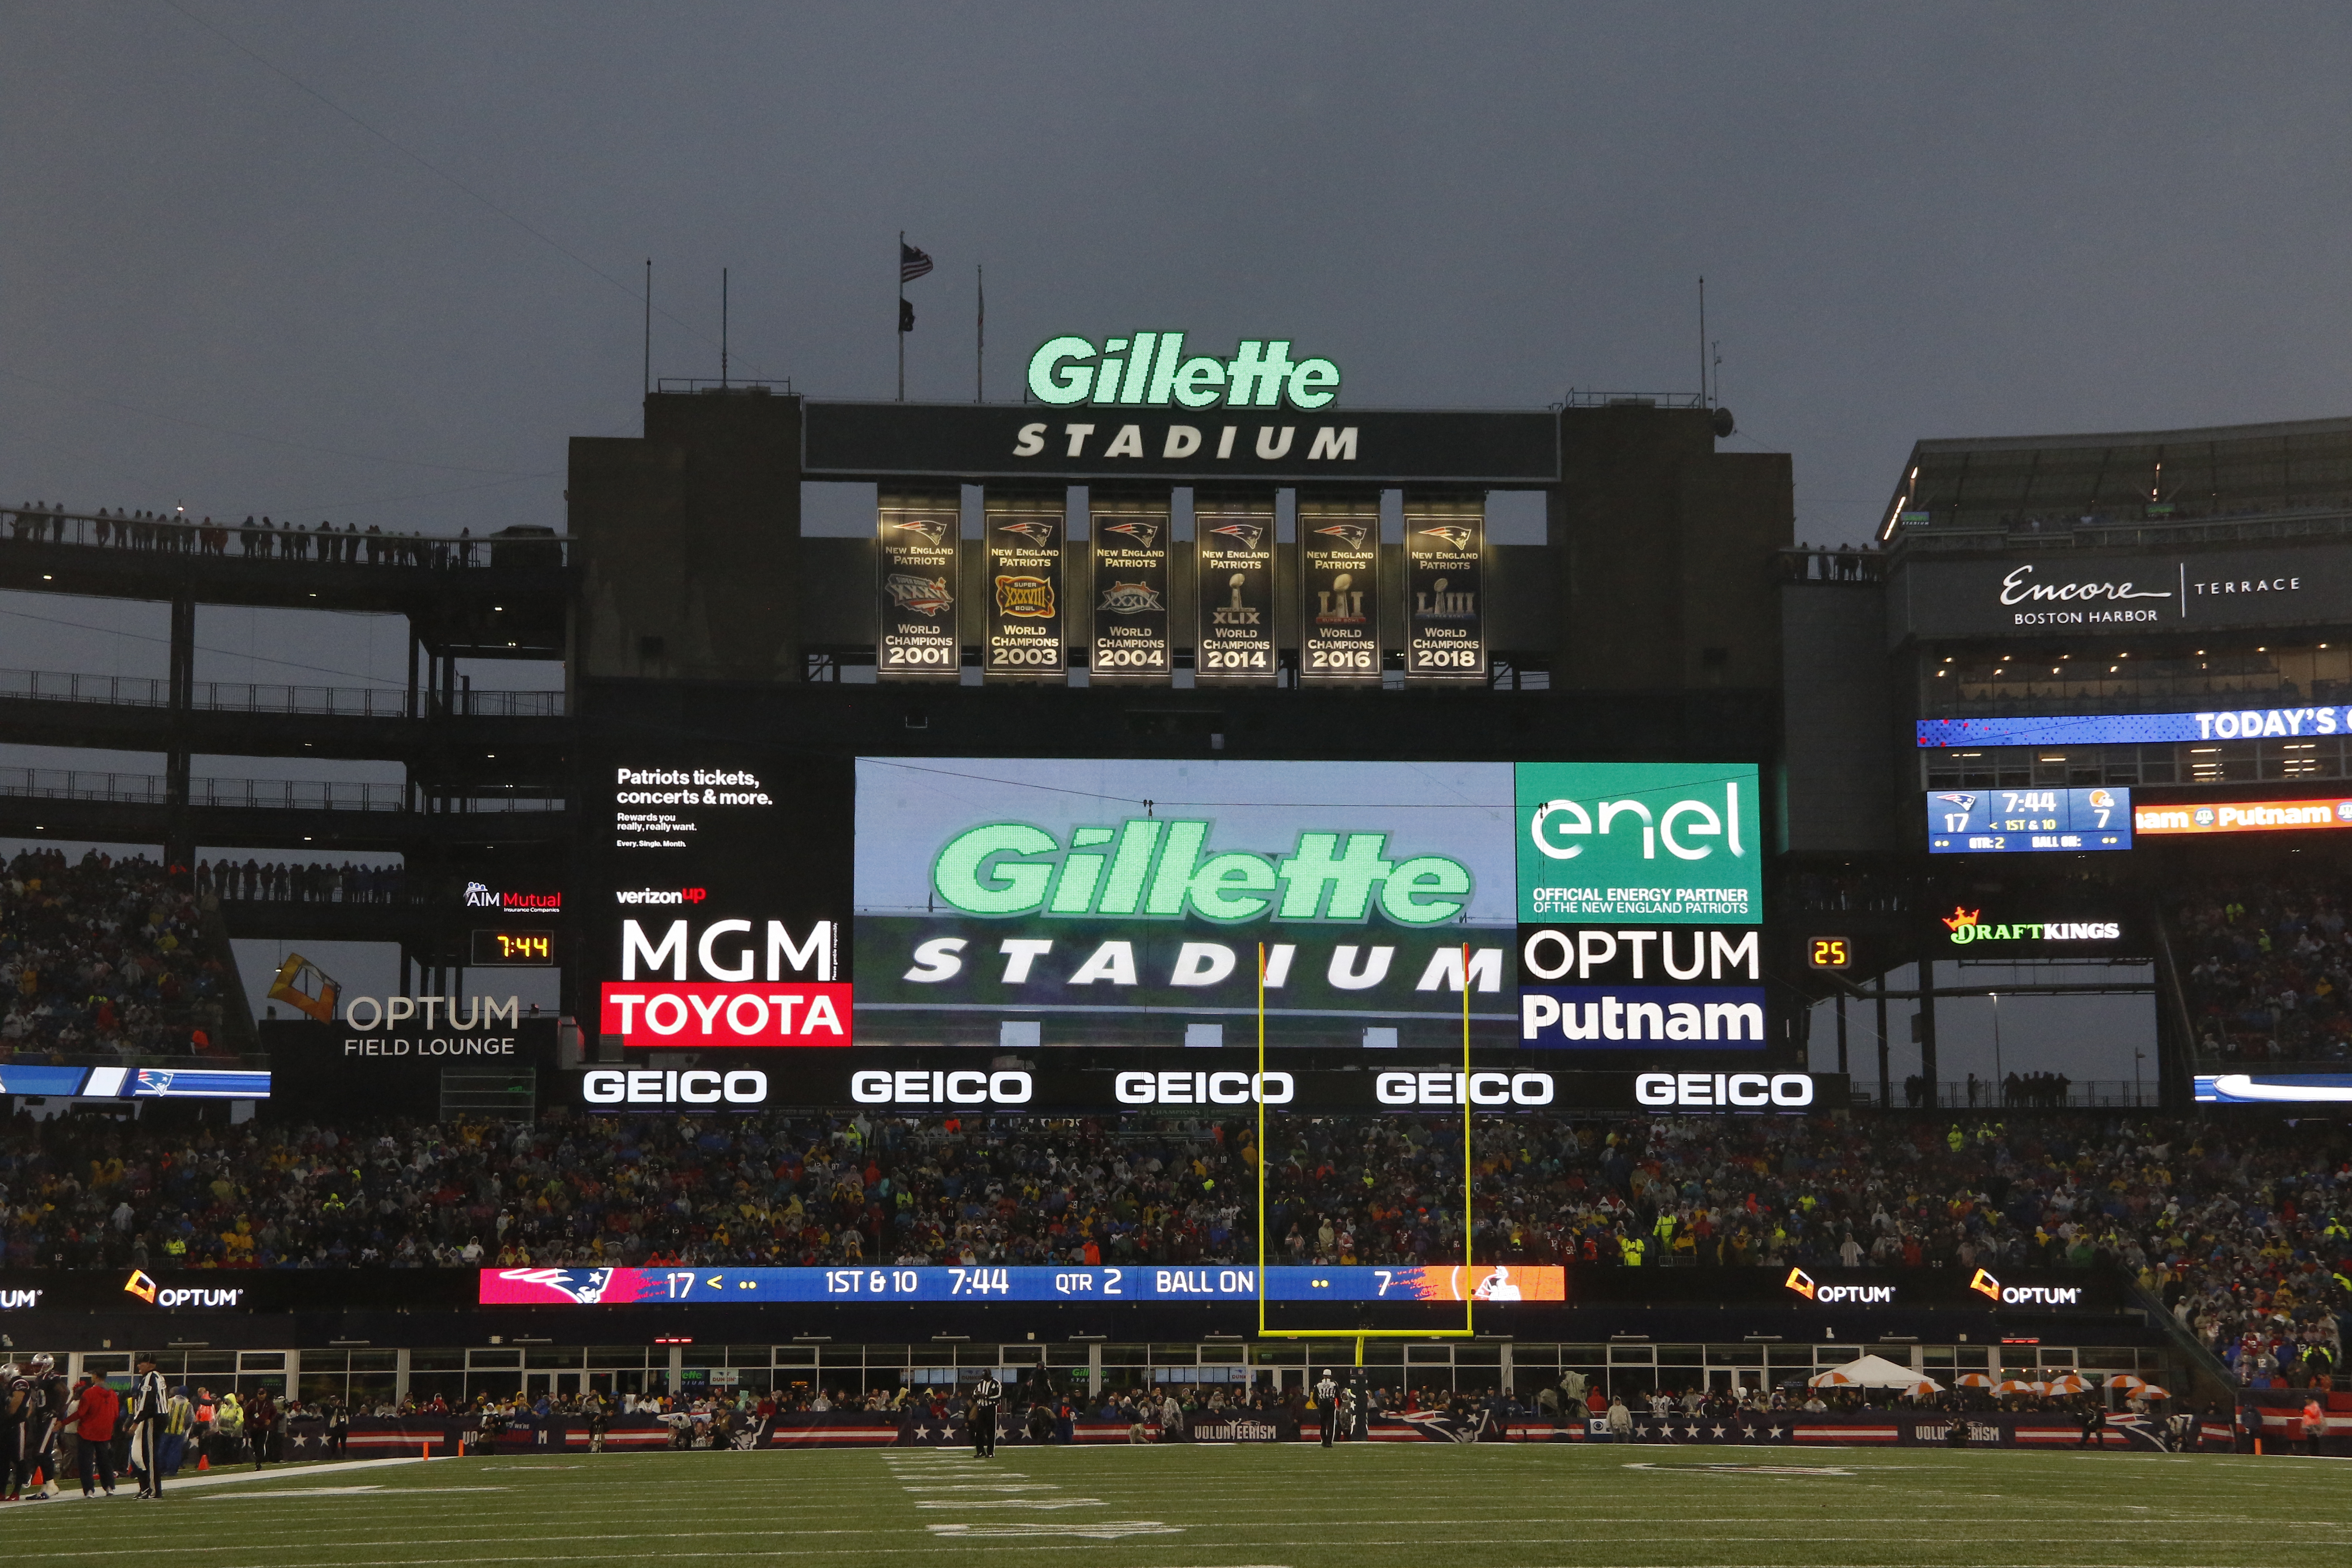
pixel 2267 966
pixel 104 956
pixel 264 538
pixel 1835 562
pixel 2240 1230
pixel 318 882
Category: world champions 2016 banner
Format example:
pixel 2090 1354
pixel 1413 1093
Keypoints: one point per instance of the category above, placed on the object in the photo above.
pixel 1197 1282
pixel 1021 904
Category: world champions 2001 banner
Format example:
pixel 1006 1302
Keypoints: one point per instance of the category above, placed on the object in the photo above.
pixel 1021 903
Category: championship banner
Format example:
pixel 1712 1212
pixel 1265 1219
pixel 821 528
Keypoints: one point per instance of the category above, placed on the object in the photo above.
pixel 1026 626
pixel 1233 555
pixel 1339 590
pixel 1131 636
pixel 1445 611
pixel 916 546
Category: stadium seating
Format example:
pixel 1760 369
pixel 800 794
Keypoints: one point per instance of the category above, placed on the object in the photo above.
pixel 2242 1232
pixel 104 957
pixel 2267 968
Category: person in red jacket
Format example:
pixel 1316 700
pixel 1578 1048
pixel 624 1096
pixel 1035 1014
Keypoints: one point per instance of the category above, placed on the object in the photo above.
pixel 92 1416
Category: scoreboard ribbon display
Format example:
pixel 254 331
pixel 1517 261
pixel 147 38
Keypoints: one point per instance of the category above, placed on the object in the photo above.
pixel 2024 821
pixel 1500 1282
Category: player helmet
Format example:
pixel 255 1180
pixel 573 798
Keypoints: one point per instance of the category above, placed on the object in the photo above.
pixel 43 1365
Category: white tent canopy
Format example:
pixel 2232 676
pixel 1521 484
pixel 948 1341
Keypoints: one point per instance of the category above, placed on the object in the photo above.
pixel 1871 1372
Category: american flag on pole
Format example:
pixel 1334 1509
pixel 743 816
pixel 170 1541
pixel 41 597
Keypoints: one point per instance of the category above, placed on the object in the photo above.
pixel 912 263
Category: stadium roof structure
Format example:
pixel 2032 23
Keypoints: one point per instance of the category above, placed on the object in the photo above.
pixel 2021 483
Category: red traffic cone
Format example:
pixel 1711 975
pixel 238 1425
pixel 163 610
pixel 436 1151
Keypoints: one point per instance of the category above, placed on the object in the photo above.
pixel 203 1463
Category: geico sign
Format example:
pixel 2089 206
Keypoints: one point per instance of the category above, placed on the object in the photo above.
pixel 1450 1088
pixel 919 1088
pixel 1733 1090
pixel 655 1086
pixel 1179 1087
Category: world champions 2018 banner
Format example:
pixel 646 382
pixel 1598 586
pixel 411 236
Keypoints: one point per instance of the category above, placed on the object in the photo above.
pixel 1020 903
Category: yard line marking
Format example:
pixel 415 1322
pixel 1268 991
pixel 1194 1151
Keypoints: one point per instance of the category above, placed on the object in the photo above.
pixel 1103 1530
pixel 1010 1502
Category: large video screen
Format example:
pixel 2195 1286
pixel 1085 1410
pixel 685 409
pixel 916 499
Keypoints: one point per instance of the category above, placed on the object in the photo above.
pixel 1016 903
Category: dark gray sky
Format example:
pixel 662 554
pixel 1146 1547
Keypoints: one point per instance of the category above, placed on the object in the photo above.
pixel 376 263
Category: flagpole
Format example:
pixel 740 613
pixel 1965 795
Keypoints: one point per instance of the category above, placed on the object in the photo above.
pixel 979 345
pixel 901 322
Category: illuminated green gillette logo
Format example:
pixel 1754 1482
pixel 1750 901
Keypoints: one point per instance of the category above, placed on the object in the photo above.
pixel 1151 368
pixel 1153 869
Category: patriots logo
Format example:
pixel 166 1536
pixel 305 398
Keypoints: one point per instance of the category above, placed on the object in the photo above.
pixel 582 1286
pixel 1140 530
pixel 924 596
pixel 1964 802
pixel 155 1081
pixel 1245 535
pixel 1457 536
pixel 1351 535
pixel 930 530
pixel 1038 533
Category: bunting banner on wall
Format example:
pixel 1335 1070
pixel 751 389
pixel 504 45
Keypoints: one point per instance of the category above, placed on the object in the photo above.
pixel 1445 605
pixel 1234 560
pixel 917 538
pixel 1340 589
pixel 1131 640
pixel 1026 615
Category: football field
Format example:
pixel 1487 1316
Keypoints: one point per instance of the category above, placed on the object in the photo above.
pixel 1364 1506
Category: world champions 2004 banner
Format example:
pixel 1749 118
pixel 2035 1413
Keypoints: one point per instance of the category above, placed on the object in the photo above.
pixel 1019 903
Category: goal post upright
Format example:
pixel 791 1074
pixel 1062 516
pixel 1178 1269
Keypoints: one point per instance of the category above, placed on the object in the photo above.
pixel 1469 1215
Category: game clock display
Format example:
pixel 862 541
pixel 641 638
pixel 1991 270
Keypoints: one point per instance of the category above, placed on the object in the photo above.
pixel 513 949
pixel 2027 821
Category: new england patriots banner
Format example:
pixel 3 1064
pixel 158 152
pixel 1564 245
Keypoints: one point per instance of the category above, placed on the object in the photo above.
pixel 1233 555
pixel 1131 640
pixel 1444 602
pixel 917 552
pixel 1339 589
pixel 1027 615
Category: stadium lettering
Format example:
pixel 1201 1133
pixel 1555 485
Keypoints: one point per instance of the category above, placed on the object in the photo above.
pixel 1152 369
pixel 436 1011
pixel 1160 868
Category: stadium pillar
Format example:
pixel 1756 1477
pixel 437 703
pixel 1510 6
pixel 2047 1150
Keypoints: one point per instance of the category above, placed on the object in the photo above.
pixel 1886 1082
pixel 400 1377
pixel 1841 1021
pixel 178 847
pixel 1928 1030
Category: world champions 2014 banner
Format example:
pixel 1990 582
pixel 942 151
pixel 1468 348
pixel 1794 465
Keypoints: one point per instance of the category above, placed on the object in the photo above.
pixel 1197 1282
pixel 1013 904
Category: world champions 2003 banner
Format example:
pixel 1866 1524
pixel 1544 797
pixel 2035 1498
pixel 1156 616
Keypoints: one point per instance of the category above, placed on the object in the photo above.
pixel 1016 904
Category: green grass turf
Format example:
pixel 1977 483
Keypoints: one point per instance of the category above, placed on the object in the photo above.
pixel 1186 1507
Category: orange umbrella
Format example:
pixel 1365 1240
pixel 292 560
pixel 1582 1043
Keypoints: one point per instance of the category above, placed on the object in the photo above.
pixel 1923 1389
pixel 2125 1382
pixel 2010 1385
pixel 2151 1391
pixel 1975 1379
pixel 2069 1382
